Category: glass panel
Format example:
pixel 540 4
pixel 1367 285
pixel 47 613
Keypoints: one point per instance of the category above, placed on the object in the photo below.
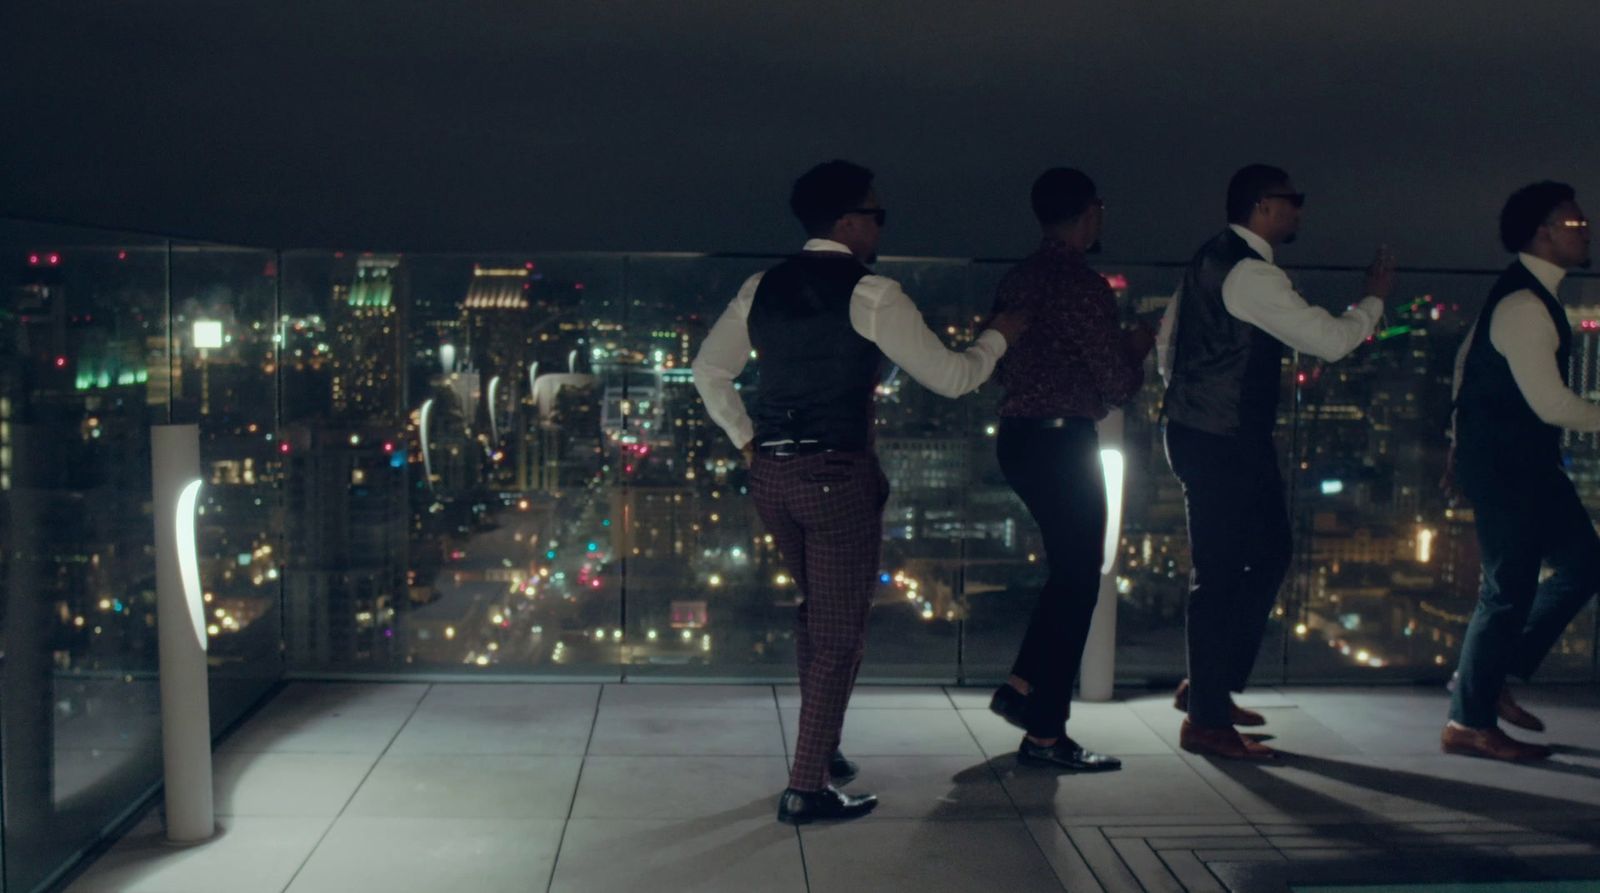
pixel 82 376
pixel 706 591
pixel 1153 549
pixel 224 379
pixel 1005 563
pixel 445 417
pixel 926 448
pixel 1387 572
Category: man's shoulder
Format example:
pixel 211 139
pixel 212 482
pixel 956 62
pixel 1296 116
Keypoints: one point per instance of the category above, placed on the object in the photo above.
pixel 1043 269
pixel 1519 303
pixel 1255 267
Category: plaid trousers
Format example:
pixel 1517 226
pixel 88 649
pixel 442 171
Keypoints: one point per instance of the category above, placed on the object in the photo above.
pixel 825 512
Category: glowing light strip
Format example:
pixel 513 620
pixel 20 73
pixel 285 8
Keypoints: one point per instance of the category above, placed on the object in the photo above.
pixel 188 564
pixel 494 427
pixel 1111 462
pixel 427 455
pixel 533 376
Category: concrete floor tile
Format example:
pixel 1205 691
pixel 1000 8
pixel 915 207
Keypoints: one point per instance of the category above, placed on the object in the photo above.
pixel 251 854
pixel 695 856
pixel 475 786
pixel 686 788
pixel 427 855
pixel 892 855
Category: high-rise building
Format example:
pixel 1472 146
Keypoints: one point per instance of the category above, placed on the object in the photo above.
pixel 347 537
pixel 368 318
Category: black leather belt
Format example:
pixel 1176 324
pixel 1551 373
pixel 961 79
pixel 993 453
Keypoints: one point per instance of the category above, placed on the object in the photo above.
pixel 793 449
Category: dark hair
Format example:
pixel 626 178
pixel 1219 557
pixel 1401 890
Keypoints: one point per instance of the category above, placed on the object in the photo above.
pixel 1527 209
pixel 1249 186
pixel 827 192
pixel 1060 194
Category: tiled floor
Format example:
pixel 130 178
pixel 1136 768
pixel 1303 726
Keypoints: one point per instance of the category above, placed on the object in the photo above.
pixel 417 788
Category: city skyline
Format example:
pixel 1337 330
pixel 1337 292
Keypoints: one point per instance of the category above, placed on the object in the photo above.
pixel 573 508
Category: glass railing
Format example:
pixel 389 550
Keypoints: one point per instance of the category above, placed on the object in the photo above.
pixel 497 464
pixel 91 358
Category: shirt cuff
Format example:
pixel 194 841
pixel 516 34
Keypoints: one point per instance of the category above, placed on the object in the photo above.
pixel 993 341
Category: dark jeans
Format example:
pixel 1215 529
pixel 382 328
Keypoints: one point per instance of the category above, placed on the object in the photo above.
pixel 1057 473
pixel 1240 546
pixel 1523 519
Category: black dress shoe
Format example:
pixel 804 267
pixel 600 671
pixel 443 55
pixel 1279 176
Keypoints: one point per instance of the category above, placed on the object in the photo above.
pixel 800 807
pixel 841 770
pixel 1065 754
pixel 1010 705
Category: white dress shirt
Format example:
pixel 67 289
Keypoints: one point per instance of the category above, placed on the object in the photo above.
pixel 880 311
pixel 1521 330
pixel 1260 293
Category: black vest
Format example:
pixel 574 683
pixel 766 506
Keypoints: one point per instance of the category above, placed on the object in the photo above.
pixel 1496 430
pixel 1225 372
pixel 817 373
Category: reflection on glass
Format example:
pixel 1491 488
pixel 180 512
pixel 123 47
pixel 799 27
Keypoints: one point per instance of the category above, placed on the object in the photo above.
pixel 223 378
pixel 1388 571
pixel 84 330
pixel 454 434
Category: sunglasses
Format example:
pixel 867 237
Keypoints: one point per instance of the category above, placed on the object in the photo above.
pixel 880 215
pixel 1298 199
pixel 1579 224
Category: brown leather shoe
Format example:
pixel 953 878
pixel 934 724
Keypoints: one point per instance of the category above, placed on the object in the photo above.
pixel 1236 714
pixel 1225 742
pixel 1512 712
pixel 1490 743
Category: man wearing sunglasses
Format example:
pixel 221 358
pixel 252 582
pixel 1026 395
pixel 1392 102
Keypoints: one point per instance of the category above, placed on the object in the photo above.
pixel 1222 345
pixel 1512 403
pixel 821 324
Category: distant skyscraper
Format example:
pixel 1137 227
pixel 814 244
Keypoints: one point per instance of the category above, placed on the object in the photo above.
pixel 497 319
pixel 369 324
pixel 346 526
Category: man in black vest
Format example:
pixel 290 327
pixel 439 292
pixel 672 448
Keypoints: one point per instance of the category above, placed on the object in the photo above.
pixel 822 324
pixel 1223 340
pixel 1512 402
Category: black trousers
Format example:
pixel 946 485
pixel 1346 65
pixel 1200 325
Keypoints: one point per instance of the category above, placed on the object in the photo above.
pixel 1239 543
pixel 1525 518
pixel 1058 475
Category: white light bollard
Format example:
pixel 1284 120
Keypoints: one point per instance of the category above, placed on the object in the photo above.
pixel 181 627
pixel 1098 671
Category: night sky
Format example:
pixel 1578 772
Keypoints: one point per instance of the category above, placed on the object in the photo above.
pixel 679 126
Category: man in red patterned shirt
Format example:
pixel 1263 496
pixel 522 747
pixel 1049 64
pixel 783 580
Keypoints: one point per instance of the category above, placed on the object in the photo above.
pixel 1066 372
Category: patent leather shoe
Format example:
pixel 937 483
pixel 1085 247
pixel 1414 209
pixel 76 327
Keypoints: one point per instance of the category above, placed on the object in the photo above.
pixel 841 770
pixel 829 804
pixel 1010 705
pixel 1065 754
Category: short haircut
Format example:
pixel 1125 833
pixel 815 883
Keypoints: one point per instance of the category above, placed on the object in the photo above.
pixel 827 192
pixel 1061 194
pixel 1249 186
pixel 1527 209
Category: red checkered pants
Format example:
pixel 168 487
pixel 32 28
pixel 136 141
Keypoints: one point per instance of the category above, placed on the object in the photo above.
pixel 825 510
